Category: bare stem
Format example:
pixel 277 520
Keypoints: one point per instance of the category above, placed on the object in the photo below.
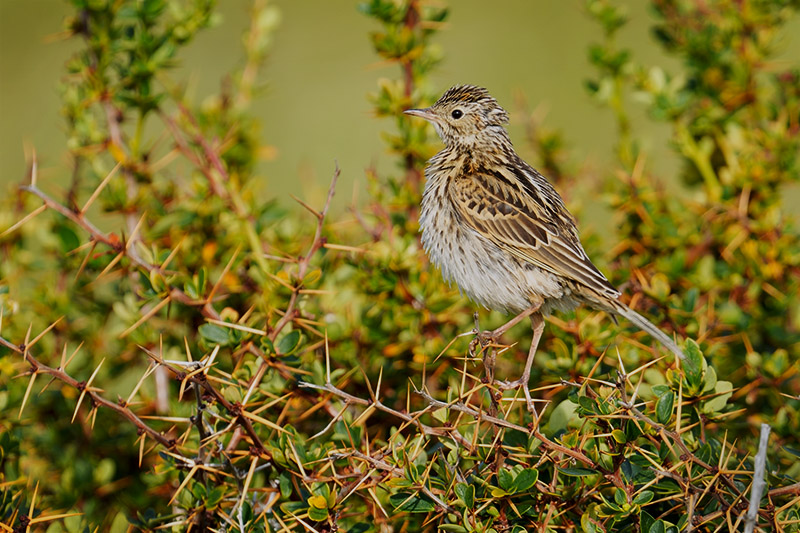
pixel 758 480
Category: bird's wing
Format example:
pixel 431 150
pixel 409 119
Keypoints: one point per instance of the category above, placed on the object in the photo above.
pixel 525 216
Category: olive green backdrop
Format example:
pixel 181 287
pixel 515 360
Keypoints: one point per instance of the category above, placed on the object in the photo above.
pixel 314 107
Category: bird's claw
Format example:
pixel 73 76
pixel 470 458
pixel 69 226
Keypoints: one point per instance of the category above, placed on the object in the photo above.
pixel 487 338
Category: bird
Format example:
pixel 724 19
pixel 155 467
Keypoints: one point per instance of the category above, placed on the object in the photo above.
pixel 499 229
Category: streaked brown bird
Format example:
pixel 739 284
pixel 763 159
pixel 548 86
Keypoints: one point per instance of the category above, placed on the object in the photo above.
pixel 499 229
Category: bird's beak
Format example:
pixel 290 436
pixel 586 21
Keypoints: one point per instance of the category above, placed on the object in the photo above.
pixel 426 113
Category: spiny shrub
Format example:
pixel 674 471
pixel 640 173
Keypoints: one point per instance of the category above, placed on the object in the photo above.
pixel 177 354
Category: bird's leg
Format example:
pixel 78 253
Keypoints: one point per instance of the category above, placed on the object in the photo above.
pixel 537 321
pixel 491 337
pixel 489 352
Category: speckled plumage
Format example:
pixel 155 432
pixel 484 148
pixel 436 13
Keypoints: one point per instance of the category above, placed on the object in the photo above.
pixel 496 227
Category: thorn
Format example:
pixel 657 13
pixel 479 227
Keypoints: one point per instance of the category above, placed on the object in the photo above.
pixel 99 188
pixel 27 393
pixel 26 218
pixel 84 389
pixel 223 274
pixel 85 260
pixel 63 364
pixel 188 351
pixel 43 333
pixel 145 317
pixel 327 361
pixel 378 386
pixel 173 253
pixel 624 375
pixel 313 211
pixel 135 231
pixel 28 336
pixel 110 265
pixel 34 179
pixel 33 500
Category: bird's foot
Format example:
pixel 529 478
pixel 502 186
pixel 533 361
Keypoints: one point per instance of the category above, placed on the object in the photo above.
pixel 487 338
pixel 484 338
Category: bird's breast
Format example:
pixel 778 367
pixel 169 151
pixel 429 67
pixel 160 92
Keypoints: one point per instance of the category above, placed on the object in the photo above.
pixel 482 270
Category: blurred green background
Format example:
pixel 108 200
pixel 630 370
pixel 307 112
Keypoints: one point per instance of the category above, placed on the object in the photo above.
pixel 314 108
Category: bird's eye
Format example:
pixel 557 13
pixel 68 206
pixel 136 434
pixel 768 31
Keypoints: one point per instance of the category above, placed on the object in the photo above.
pixel 457 113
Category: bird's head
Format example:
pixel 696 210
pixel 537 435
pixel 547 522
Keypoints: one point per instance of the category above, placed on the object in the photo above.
pixel 466 115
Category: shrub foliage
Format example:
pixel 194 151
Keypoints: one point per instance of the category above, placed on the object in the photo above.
pixel 176 353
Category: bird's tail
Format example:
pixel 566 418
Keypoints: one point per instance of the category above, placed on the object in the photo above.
pixel 645 325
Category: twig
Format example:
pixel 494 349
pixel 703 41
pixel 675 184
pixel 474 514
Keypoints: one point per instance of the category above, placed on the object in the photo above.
pixel 411 418
pixel 458 406
pixel 675 437
pixel 383 465
pixel 781 491
pixel 303 264
pixel 758 480
pixel 96 234
pixel 119 408
pixel 302 267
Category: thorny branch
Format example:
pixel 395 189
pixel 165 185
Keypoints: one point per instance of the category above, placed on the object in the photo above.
pixel 176 294
pixel 120 408
pixel 676 438
pixel 409 418
pixel 458 406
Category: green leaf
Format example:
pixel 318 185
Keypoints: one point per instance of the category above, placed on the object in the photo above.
pixel 453 528
pixel 232 394
pixel 709 380
pixel 619 497
pixel 693 365
pixel 119 524
pixel 664 407
pixel 563 413
pixel 505 479
pixel 288 342
pixel 499 493
pixel 267 346
pixel 587 403
pixel 660 390
pixel 658 527
pixel 201 280
pixel 214 497
pixel 317 514
pixel 643 497
pixel 576 471
pixel 587 524
pixel 190 290
pixel 285 485
pixel 466 493
pixel 646 521
pixel 525 480
pixel 619 436
pixel 412 503
pixel 293 507
pixel 792 451
pixel 214 334
pixel 723 391
pixel 69 239
pixel 318 501
pixel 104 471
